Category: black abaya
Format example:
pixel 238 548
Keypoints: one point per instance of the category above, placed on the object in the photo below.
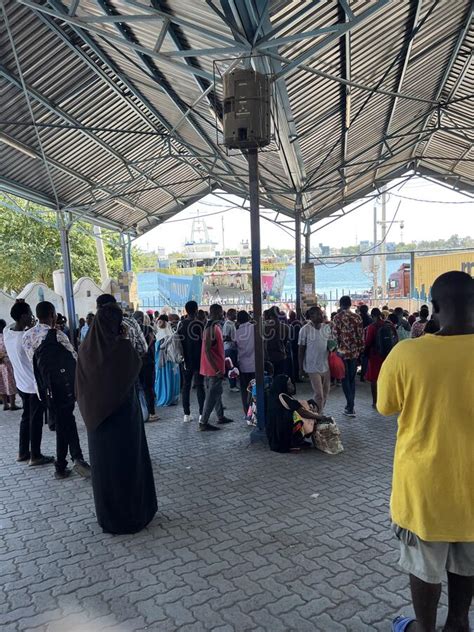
pixel 122 476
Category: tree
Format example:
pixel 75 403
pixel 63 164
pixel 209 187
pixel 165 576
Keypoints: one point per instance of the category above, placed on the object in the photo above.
pixel 30 248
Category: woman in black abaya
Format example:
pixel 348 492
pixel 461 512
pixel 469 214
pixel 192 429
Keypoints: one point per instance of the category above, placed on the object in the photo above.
pixel 106 375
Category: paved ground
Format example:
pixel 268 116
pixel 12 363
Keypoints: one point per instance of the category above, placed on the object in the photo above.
pixel 245 539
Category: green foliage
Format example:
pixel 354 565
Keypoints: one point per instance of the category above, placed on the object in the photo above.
pixel 30 248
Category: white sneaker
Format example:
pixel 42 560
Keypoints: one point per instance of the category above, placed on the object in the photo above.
pixel 187 418
pixel 235 390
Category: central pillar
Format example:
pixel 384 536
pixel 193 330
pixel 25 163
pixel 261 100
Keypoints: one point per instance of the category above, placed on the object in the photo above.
pixel 298 210
pixel 258 434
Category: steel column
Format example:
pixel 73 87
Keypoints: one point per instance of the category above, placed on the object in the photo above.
pixel 258 434
pixel 68 282
pixel 412 275
pixel 298 254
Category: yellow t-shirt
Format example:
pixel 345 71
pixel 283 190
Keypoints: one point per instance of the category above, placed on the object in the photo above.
pixel 430 382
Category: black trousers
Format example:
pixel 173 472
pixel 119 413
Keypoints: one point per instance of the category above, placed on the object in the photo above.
pixel 188 375
pixel 245 379
pixel 66 437
pixel 147 380
pixel 31 426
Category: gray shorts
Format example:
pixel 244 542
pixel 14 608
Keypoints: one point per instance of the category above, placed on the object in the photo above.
pixel 429 561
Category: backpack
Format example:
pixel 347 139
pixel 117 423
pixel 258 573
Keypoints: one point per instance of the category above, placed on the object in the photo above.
pixel 55 371
pixel 384 340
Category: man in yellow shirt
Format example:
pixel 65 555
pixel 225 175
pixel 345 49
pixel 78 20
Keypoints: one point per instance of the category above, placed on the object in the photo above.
pixel 429 382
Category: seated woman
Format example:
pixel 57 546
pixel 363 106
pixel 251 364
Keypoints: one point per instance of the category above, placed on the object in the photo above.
pixel 286 431
pixel 168 378
pixel 106 377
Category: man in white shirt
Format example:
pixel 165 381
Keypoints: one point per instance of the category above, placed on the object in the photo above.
pixel 313 354
pixel 67 437
pixel 31 425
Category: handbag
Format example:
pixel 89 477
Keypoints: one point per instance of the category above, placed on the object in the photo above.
pixel 336 366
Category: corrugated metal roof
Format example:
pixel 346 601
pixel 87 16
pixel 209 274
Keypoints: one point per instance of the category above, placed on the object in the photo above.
pixel 126 110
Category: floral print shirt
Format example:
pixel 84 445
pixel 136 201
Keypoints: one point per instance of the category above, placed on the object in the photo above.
pixel 349 334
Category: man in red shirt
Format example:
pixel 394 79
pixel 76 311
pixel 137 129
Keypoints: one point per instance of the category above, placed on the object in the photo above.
pixel 348 331
pixel 213 368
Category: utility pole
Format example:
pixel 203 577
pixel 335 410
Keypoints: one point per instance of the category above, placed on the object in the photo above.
pixel 64 226
pixel 99 244
pixel 375 258
pixel 223 239
pixel 383 248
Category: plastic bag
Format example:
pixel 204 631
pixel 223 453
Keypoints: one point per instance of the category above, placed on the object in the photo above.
pixel 327 437
pixel 336 366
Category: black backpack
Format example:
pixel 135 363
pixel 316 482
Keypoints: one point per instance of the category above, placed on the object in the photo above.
pixel 55 371
pixel 384 340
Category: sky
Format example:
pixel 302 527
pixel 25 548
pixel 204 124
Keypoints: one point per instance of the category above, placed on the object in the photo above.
pixel 434 212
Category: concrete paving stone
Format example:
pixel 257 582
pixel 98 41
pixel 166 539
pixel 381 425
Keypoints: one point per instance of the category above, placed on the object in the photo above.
pixel 238 543
pixel 314 606
pixel 324 623
pixel 285 604
pixel 198 597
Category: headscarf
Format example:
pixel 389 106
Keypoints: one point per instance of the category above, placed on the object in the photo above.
pixel 107 367
pixel 163 332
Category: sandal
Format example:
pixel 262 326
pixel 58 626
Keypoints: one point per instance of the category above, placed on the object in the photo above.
pixel 401 623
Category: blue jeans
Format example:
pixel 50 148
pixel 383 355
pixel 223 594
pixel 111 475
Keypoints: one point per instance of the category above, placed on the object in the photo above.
pixel 348 383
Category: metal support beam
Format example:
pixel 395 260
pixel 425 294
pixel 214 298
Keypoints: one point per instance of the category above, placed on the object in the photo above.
pixel 63 226
pixel 298 211
pixel 403 69
pixel 412 275
pixel 329 41
pixel 258 434
pixel 449 66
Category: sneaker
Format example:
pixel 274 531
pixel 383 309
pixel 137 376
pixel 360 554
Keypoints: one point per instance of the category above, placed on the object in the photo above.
pixel 42 460
pixel 349 413
pixel 82 468
pixel 200 417
pixel 188 418
pixel 225 420
pixel 234 389
pixel 23 459
pixel 153 417
pixel 206 427
pixel 60 474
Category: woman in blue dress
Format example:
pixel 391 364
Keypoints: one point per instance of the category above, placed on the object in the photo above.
pixel 168 378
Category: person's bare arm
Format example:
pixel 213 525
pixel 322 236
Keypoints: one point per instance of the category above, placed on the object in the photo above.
pixel 308 414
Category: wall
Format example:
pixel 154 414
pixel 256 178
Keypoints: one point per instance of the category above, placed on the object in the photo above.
pixel 6 302
pixel 34 293
pixel 86 292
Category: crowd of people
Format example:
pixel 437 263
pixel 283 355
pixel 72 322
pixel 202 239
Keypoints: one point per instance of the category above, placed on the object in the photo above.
pixel 126 365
